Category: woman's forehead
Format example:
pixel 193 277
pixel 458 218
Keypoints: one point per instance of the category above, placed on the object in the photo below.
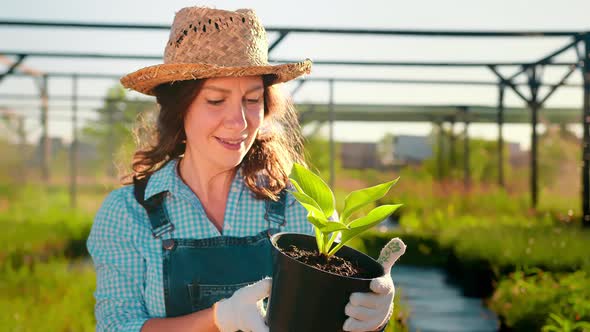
pixel 246 83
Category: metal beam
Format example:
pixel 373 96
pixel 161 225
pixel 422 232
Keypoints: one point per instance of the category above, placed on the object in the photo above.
pixel 317 62
pixel 560 83
pixel 508 82
pixel 520 71
pixel 77 25
pixel 440 33
pixel 424 113
pixel 22 69
pixel 282 36
pixel 370 112
pixel 297 88
pixel 323 79
pixel 58 118
pixel 85 55
pixel 547 59
pixel 420 81
pixel 13 66
pixel 417 64
pixel 69 75
pixel 426 82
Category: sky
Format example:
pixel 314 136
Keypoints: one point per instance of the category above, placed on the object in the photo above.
pixel 536 15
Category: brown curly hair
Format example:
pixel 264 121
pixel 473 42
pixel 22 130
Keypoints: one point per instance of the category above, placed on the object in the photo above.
pixel 266 165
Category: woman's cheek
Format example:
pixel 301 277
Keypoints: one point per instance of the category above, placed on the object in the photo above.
pixel 258 117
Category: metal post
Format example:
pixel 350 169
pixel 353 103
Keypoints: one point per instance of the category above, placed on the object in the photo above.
pixel 586 135
pixel 501 90
pixel 534 106
pixel 466 166
pixel 453 150
pixel 439 155
pixel 45 143
pixel 22 142
pixel 74 144
pixel 111 142
pixel 332 149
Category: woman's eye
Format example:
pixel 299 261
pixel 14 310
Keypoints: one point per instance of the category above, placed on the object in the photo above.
pixel 253 101
pixel 215 102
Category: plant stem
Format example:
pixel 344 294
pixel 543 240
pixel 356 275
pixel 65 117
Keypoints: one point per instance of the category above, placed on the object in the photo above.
pixel 319 238
pixel 336 248
pixel 331 241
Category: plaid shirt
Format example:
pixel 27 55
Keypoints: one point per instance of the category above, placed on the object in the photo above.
pixel 128 260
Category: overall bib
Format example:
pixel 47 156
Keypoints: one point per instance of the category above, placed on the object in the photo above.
pixel 199 272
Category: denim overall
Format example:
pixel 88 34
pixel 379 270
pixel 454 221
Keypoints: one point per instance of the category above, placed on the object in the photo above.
pixel 199 272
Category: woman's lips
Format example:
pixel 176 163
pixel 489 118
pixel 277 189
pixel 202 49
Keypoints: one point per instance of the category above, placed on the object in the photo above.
pixel 231 144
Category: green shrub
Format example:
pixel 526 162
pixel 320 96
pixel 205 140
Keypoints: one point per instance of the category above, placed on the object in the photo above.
pixel 551 248
pixel 531 302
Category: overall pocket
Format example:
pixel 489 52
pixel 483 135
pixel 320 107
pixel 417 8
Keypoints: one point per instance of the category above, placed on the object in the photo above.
pixel 205 295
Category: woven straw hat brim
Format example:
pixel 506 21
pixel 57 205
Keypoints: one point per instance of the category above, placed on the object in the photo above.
pixel 146 79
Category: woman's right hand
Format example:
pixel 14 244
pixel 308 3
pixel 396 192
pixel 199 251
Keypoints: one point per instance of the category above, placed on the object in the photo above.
pixel 243 311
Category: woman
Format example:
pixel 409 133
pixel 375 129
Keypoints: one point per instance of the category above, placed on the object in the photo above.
pixel 185 247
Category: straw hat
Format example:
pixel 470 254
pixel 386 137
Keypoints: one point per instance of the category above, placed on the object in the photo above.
pixel 206 42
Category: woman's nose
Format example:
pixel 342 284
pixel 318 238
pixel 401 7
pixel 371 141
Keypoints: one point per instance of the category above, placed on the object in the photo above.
pixel 236 118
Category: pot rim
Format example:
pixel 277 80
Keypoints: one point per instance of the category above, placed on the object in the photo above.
pixel 274 238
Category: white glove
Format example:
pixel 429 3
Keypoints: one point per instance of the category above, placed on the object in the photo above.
pixel 370 311
pixel 243 311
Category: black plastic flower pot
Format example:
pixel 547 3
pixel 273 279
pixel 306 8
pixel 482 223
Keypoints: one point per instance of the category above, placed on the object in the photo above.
pixel 304 298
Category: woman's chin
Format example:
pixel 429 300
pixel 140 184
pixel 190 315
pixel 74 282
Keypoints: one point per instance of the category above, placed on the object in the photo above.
pixel 231 161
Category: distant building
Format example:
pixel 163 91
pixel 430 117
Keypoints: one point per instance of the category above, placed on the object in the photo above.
pixel 516 157
pixel 411 149
pixel 87 151
pixel 359 155
pixel 55 146
pixel 393 151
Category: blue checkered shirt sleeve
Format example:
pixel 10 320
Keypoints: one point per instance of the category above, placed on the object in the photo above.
pixel 120 268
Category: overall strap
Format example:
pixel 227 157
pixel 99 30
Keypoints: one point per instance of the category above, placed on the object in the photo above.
pixel 275 210
pixel 154 207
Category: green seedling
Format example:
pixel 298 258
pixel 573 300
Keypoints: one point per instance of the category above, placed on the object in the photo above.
pixel 317 198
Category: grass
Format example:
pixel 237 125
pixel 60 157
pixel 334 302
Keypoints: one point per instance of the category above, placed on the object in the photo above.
pixel 39 225
pixel 53 296
pixel 401 313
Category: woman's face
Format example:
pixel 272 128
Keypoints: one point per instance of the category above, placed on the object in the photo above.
pixel 223 120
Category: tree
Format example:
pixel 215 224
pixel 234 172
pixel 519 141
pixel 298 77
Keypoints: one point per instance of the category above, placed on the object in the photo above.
pixel 112 131
pixel 317 154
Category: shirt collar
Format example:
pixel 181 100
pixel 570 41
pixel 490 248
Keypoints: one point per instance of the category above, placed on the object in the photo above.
pixel 168 179
pixel 162 180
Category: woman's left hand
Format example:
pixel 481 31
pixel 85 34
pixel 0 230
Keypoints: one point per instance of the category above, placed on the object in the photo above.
pixel 371 311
